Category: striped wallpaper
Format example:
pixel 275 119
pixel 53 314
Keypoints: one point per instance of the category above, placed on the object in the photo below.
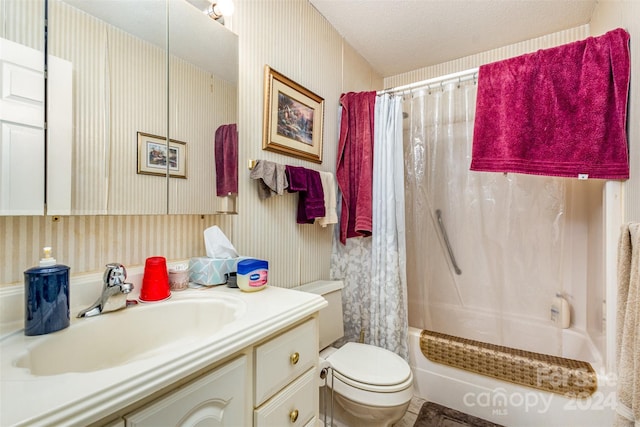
pixel 86 243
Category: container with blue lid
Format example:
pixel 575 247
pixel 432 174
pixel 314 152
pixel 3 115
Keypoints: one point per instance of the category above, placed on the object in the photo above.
pixel 46 292
pixel 252 274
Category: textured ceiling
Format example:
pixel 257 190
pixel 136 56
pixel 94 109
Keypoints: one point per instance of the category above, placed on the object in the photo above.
pixel 396 36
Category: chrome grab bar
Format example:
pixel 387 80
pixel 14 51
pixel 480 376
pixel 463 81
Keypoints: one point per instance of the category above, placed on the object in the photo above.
pixel 446 242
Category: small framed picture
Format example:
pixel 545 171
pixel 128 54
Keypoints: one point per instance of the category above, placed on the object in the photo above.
pixel 293 118
pixel 156 158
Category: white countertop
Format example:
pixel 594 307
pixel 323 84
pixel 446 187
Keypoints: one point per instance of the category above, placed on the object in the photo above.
pixel 82 398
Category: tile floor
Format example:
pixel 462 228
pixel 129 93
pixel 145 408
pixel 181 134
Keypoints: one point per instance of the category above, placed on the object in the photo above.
pixel 412 413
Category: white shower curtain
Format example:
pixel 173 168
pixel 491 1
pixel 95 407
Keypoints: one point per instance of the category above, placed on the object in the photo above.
pixel 374 268
pixel 504 230
pixel 388 326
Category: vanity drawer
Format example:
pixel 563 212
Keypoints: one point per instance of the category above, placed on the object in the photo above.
pixel 294 406
pixel 284 358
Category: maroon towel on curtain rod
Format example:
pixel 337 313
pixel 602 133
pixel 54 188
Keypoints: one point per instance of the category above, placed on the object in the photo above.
pixel 556 112
pixel 354 167
pixel 226 152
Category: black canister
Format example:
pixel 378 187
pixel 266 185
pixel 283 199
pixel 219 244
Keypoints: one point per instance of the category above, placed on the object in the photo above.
pixel 46 296
pixel 232 279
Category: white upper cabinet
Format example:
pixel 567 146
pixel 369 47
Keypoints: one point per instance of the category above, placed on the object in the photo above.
pixel 22 130
pixel 22 138
pixel 22 147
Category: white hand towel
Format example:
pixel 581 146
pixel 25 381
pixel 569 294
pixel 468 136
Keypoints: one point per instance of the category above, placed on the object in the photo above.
pixel 329 188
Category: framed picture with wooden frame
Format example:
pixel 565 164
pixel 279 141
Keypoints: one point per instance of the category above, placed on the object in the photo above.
pixel 293 118
pixel 154 157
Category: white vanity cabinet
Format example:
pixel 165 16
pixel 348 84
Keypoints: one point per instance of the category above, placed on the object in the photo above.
pixel 280 385
pixel 216 399
pixel 285 389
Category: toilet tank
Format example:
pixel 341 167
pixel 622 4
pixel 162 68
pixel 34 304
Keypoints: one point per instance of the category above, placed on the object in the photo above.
pixel 330 317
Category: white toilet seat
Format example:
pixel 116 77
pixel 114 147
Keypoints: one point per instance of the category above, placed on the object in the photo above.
pixel 370 375
pixel 373 388
pixel 370 368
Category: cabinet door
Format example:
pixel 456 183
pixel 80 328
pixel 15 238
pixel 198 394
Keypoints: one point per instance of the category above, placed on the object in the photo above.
pixel 217 399
pixel 21 130
pixel 59 135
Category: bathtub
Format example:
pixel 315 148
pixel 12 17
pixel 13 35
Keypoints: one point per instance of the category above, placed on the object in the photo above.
pixel 509 404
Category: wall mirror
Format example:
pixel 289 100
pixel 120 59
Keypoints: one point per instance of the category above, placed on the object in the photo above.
pixel 157 67
pixel 203 88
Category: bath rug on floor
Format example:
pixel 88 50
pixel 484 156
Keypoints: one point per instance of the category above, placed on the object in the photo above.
pixel 434 415
pixel 567 377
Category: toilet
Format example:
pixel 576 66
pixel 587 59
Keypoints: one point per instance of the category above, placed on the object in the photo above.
pixel 371 386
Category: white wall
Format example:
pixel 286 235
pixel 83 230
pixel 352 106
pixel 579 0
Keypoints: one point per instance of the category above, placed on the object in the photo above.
pixel 610 14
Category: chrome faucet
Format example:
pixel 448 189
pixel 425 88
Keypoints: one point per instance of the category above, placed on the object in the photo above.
pixel 114 291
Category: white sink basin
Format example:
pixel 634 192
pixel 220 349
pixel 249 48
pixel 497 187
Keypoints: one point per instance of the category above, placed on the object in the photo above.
pixel 134 333
pixel 98 366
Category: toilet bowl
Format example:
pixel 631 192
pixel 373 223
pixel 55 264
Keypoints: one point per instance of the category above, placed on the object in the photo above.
pixel 371 386
pixel 368 385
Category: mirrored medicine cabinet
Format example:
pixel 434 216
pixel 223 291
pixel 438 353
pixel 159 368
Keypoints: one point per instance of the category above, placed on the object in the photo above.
pixel 145 86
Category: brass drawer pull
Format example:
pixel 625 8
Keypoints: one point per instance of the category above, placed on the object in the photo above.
pixel 295 357
pixel 293 415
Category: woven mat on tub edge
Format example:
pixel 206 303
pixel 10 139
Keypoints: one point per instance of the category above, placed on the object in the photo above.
pixel 567 377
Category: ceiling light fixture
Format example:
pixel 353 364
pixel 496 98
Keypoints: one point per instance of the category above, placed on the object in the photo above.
pixel 219 9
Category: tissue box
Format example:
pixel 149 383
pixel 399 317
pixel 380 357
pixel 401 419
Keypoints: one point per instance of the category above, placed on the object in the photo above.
pixel 211 271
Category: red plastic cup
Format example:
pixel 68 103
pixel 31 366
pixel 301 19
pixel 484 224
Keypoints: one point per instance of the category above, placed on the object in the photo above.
pixel 155 281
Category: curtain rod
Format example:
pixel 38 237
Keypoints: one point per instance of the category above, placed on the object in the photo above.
pixel 453 77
